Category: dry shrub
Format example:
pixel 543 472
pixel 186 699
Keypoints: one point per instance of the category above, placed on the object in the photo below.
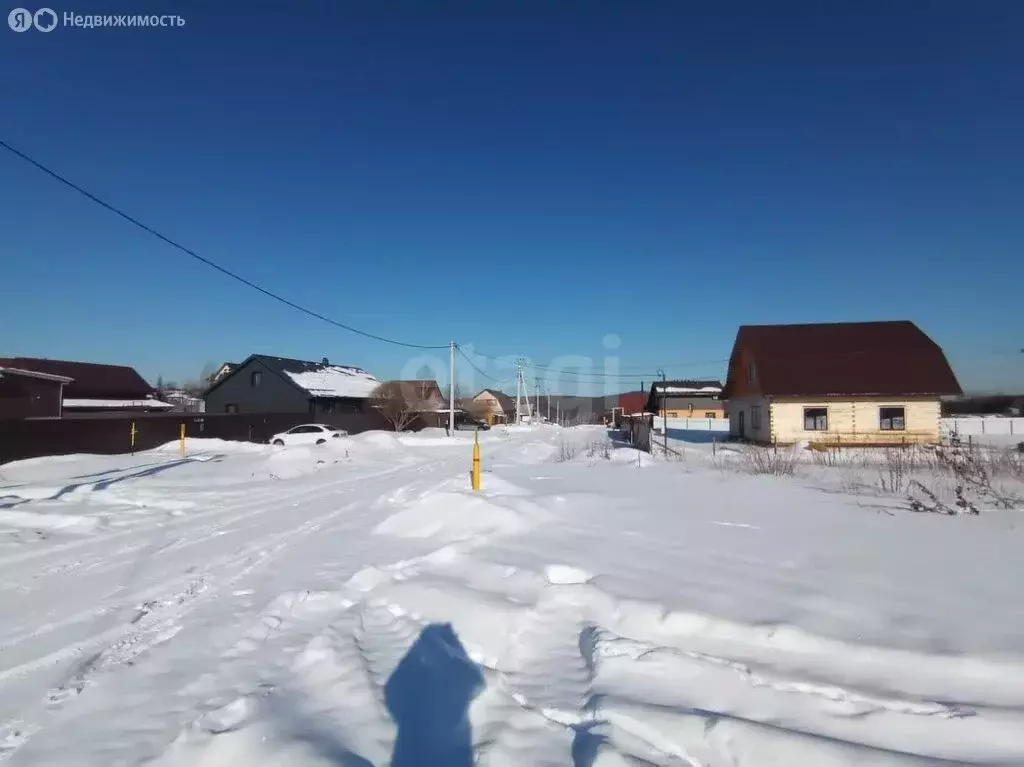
pixel 773 461
pixel 964 474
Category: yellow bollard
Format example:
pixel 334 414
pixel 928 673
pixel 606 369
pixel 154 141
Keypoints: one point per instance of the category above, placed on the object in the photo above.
pixel 133 438
pixel 183 440
pixel 475 474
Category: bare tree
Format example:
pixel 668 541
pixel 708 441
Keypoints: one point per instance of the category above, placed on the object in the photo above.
pixel 390 400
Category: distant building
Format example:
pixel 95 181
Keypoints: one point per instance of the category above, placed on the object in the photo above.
pixel 846 383
pixel 267 384
pixel 182 401
pixel 421 397
pixel 494 406
pixel 686 399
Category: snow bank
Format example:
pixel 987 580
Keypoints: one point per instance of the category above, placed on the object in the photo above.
pixel 298 461
pixel 388 440
pixel 206 444
pixel 455 516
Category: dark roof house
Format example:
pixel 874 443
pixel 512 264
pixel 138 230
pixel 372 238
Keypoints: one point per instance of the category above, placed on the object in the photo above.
pixel 682 394
pixel 30 394
pixel 94 387
pixel 268 384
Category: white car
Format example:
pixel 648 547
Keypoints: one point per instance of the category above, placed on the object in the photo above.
pixel 307 434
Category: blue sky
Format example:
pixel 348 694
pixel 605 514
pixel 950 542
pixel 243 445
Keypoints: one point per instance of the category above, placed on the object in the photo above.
pixel 523 177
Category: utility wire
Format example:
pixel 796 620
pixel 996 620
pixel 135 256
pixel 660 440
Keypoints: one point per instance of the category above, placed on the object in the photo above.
pixel 477 369
pixel 208 262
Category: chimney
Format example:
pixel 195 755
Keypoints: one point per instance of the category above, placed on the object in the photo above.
pixel 325 362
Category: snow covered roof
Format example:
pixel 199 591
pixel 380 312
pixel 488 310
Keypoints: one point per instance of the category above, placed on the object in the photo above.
pixel 116 404
pixel 691 389
pixel 335 381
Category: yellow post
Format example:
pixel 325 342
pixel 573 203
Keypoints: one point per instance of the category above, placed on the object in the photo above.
pixel 475 474
pixel 133 437
pixel 183 440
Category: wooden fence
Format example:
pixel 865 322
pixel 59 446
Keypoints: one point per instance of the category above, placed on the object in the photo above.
pixel 20 439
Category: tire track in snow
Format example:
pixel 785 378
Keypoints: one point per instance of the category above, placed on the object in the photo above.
pixel 246 508
pixel 193 537
pixel 126 641
pixel 270 622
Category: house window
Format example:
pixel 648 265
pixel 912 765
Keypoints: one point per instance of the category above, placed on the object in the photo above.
pixel 755 417
pixel 815 419
pixel 231 408
pixel 709 415
pixel 892 418
pixel 751 372
pixel 256 378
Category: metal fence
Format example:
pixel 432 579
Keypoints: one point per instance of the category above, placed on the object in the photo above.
pixel 33 438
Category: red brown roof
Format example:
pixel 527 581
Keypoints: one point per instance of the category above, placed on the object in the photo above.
pixel 90 380
pixel 843 358
pixel 632 401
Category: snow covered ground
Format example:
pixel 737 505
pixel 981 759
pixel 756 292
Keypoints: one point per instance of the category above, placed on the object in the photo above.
pixel 357 604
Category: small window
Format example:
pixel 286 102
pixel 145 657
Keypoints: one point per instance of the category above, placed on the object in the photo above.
pixel 256 378
pixel 709 415
pixel 892 418
pixel 815 419
pixel 755 417
pixel 751 372
pixel 231 408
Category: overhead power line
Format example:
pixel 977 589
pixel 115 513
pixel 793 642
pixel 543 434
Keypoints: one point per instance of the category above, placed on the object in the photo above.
pixel 202 259
pixel 473 365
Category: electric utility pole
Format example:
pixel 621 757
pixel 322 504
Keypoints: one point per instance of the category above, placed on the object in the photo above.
pixel 664 411
pixel 519 390
pixel 451 391
pixel 536 391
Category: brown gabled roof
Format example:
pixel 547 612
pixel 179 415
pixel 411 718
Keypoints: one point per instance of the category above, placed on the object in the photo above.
pixel 90 380
pixel 507 403
pixel 844 358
